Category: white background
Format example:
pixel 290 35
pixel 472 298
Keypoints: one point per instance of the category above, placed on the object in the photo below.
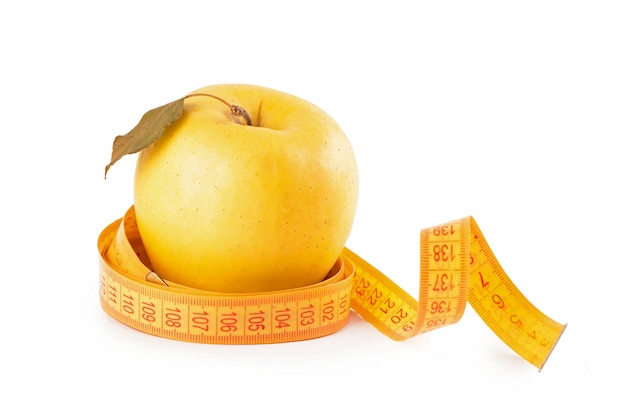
pixel 513 112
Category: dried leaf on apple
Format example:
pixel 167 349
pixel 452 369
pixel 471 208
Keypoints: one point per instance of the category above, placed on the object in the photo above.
pixel 148 130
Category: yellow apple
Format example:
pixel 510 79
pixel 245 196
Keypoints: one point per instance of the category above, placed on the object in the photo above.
pixel 230 207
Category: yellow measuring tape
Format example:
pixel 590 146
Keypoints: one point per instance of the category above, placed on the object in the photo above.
pixel 457 266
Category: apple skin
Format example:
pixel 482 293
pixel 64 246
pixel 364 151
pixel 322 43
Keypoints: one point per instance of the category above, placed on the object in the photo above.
pixel 226 207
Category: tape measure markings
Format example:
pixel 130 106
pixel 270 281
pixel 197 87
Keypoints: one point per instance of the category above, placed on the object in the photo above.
pixel 396 311
pixel 224 319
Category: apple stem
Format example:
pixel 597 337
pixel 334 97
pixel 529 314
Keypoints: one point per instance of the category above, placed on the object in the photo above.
pixel 235 110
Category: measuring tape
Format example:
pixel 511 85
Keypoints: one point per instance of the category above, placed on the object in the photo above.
pixel 457 266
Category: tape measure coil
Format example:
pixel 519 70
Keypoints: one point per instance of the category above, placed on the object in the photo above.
pixel 456 266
